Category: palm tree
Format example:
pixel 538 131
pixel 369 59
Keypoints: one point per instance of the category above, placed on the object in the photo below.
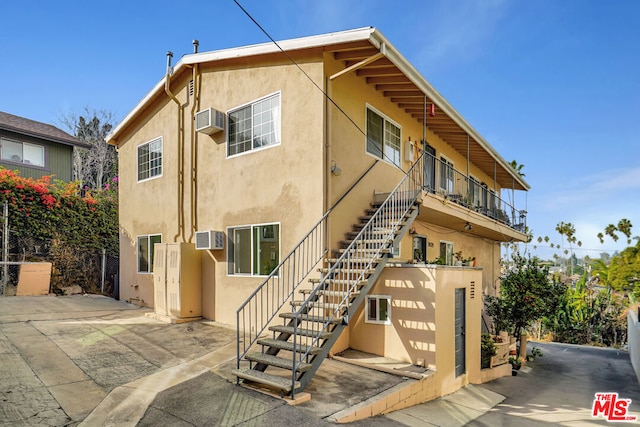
pixel 517 167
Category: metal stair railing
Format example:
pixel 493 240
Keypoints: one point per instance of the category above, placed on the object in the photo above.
pixel 264 303
pixel 355 264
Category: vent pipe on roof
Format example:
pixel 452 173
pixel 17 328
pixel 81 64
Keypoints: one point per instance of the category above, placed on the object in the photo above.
pixel 169 56
pixel 196 43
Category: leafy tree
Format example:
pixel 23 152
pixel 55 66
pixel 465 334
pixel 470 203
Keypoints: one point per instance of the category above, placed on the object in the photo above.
pixel 54 210
pixel 625 271
pixel 526 295
pixel 94 167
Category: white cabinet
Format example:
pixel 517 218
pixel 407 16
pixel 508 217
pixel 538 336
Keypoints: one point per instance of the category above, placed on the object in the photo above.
pixel 177 283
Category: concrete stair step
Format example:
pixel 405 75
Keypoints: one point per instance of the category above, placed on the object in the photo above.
pixel 319 305
pixel 353 260
pixel 301 331
pixel 276 361
pixel 309 318
pixel 287 345
pixel 371 243
pixel 260 377
pixel 329 293
pixel 339 282
pixel 365 251
pixel 354 271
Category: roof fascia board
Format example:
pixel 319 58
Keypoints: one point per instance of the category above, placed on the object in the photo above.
pixel 414 75
pixel 359 34
pixel 19 131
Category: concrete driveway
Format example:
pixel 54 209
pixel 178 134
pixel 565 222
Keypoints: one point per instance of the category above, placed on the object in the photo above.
pixel 90 360
pixel 62 356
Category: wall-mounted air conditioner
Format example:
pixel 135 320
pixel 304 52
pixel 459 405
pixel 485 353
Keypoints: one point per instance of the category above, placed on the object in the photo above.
pixel 209 121
pixel 209 240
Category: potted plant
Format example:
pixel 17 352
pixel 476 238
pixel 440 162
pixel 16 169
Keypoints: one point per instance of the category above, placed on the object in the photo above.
pixel 458 258
pixel 516 363
pixel 487 350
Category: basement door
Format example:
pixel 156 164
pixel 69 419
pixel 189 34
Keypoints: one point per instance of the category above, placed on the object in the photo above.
pixel 459 339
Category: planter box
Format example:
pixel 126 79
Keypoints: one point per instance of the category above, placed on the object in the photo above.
pixel 502 354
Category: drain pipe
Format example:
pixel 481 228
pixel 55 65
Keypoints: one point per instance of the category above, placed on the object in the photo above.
pixel 194 145
pixel 167 83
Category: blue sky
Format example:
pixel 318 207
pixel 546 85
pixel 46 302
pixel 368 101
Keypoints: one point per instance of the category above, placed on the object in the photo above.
pixel 552 84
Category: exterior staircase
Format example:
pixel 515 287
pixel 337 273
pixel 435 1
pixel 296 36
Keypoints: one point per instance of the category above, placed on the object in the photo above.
pixel 320 311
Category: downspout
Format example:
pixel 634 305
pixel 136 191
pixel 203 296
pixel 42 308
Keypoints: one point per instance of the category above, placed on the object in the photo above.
pixel 194 146
pixel 167 83
pixel 327 154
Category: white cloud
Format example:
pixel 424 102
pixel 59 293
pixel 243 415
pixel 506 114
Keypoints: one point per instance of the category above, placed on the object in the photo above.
pixel 607 188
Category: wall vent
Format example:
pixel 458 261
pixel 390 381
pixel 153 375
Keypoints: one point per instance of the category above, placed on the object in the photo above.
pixel 210 239
pixel 209 121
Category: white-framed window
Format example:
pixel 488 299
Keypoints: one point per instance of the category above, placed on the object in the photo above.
pixel 446 175
pixel 446 252
pixel 396 250
pixel 150 159
pixel 254 249
pixel 254 126
pixel 22 152
pixel 383 137
pixel 146 251
pixel 378 309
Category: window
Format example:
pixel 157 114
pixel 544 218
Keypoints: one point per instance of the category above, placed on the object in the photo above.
pixel 254 126
pixel 22 152
pixel 379 309
pixel 383 138
pixel 420 248
pixel 146 252
pixel 150 159
pixel 446 175
pixel 396 251
pixel 255 249
pixel 446 252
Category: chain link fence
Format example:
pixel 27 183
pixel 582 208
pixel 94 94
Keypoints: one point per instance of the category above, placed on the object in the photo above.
pixel 74 269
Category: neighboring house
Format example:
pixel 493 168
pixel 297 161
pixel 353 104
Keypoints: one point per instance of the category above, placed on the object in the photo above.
pixel 36 149
pixel 241 152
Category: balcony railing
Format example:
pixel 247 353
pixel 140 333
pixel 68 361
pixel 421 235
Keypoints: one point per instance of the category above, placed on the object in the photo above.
pixel 441 178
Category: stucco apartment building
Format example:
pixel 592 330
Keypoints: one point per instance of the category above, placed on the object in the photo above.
pixel 320 195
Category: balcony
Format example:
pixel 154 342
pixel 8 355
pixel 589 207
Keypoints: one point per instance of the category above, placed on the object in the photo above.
pixel 455 200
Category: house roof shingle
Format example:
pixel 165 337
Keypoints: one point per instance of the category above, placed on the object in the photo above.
pixel 21 125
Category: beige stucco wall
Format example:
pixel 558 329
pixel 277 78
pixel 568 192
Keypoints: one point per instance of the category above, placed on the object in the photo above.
pixel 281 184
pixel 348 150
pixel 422 320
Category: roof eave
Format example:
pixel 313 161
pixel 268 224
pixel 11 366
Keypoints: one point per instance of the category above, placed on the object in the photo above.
pixel 359 34
pixel 75 143
pixel 416 77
